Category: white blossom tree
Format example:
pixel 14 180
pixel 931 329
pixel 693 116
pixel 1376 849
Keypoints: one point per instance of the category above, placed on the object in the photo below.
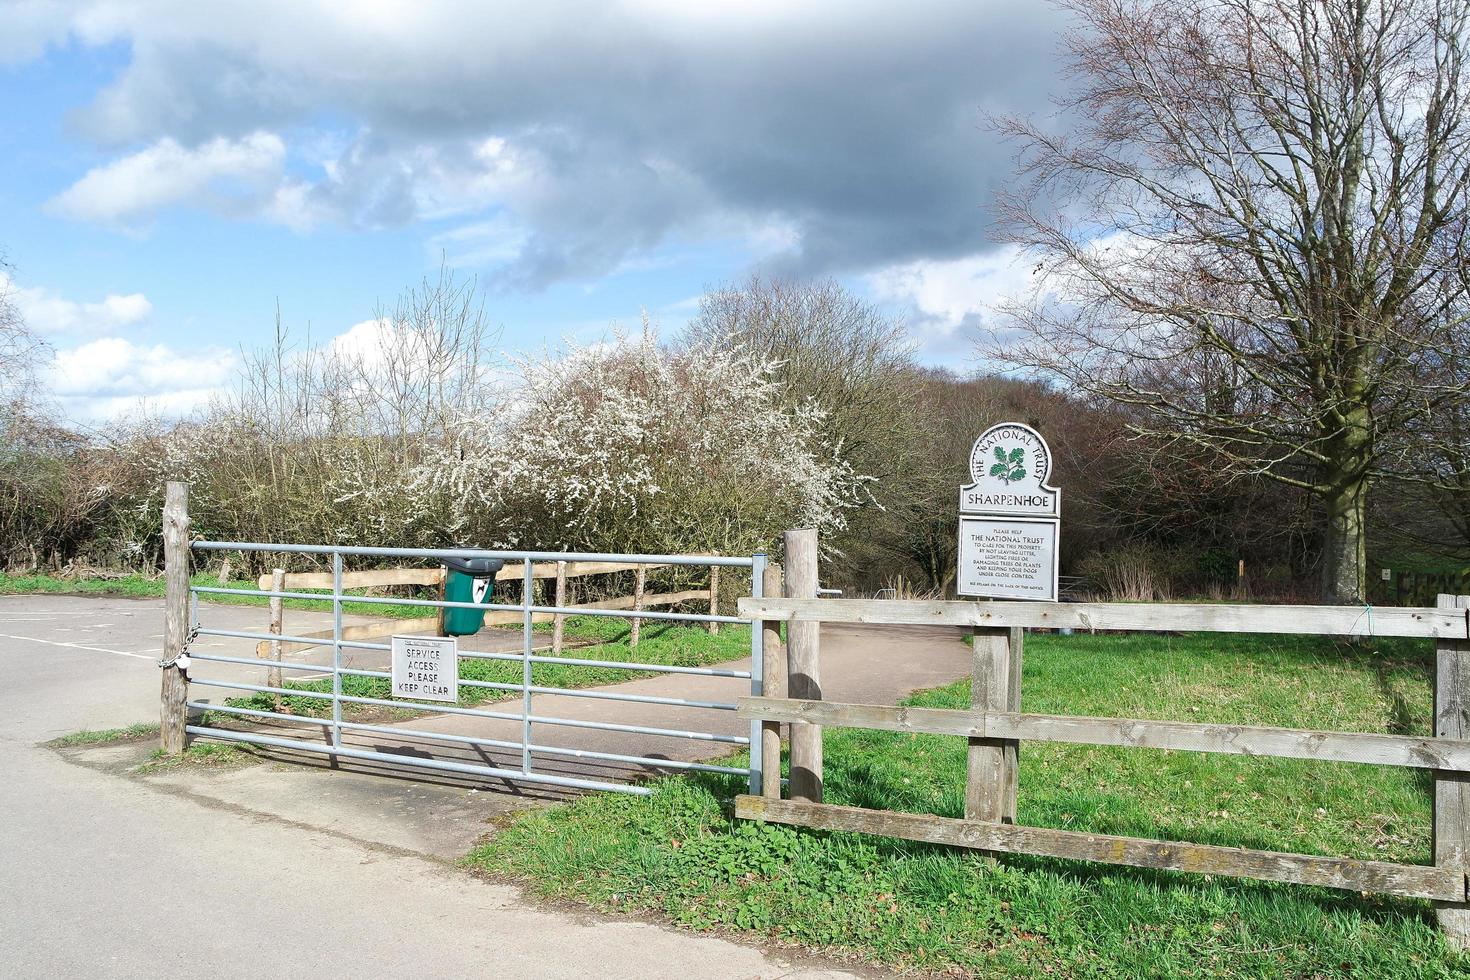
pixel 631 446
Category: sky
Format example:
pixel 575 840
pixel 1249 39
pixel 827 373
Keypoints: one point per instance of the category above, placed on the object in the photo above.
pixel 173 172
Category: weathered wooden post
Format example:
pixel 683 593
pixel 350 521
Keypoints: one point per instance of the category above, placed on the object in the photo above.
pixel 443 594
pixel 986 780
pixel 1012 761
pixel 1452 789
pixel 803 678
pixel 714 597
pixel 278 618
pixel 558 622
pixel 640 576
pixel 174 692
pixel 774 686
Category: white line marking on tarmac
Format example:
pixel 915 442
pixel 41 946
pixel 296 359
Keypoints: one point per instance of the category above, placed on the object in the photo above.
pixel 77 646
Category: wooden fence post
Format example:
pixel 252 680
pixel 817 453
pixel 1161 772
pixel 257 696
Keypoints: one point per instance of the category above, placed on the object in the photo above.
pixel 803 678
pixel 639 578
pixel 987 782
pixel 1452 789
pixel 174 691
pixel 278 626
pixel 1012 747
pixel 443 595
pixel 714 597
pixel 773 686
pixel 558 624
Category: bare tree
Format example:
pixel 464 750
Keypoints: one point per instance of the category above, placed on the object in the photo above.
pixel 1246 233
pixel 19 348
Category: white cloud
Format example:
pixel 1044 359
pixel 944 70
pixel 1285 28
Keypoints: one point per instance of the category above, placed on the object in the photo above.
pixel 947 297
pixel 110 376
pixel 47 313
pixel 231 176
pixel 30 26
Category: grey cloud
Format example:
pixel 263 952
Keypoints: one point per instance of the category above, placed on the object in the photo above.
pixel 857 124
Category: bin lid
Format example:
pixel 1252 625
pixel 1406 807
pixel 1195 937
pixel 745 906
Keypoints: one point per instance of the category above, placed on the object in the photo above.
pixel 479 567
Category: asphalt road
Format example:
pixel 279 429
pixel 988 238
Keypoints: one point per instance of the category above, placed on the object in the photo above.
pixel 104 875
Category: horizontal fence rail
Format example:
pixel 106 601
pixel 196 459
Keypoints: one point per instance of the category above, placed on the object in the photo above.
pixel 293 731
pixel 1406 880
pixel 1143 617
pixel 1282 743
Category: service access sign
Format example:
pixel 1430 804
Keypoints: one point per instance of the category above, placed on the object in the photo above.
pixel 426 668
pixel 1010 519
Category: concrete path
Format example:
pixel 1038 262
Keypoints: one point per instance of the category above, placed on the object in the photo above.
pixel 122 877
pixel 297 868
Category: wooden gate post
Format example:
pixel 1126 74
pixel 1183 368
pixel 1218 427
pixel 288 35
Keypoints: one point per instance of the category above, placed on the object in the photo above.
pixel 714 597
pixel 803 678
pixel 1452 789
pixel 987 781
pixel 773 685
pixel 640 579
pixel 559 621
pixel 278 626
pixel 174 692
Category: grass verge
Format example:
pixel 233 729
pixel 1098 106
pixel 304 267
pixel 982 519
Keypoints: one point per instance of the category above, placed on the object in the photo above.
pixel 910 906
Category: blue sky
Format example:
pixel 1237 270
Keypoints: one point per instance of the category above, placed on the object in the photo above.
pixel 171 171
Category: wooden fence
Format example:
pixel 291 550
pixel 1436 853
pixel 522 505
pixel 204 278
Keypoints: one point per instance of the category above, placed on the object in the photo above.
pixel 280 580
pixel 995 726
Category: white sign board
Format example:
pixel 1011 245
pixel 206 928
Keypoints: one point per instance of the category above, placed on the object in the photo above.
pixel 1009 465
pixel 426 668
pixel 1010 518
pixel 1008 557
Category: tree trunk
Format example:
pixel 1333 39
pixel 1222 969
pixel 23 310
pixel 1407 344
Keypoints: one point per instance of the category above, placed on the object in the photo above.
pixel 1345 552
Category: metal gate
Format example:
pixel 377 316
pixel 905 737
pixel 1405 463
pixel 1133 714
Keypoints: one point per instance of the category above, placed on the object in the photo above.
pixel 532 743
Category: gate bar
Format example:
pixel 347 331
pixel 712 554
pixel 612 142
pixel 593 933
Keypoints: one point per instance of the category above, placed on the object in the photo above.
pixel 606 726
pixel 481 655
pixel 651 761
pixel 528 583
pixel 337 649
pixel 757 668
pixel 287 743
pixel 569 692
pixel 497 606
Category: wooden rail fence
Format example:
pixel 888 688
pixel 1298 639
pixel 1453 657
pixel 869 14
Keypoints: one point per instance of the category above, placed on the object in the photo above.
pixel 995 726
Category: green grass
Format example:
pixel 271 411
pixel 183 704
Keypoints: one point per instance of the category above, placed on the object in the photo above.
pixel 132 733
pixel 663 643
pixel 213 755
pixel 910 906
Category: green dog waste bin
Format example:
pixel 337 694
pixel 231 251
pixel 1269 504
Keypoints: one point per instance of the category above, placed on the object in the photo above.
pixel 469 580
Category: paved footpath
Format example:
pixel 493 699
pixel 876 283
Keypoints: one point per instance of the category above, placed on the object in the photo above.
pixel 290 868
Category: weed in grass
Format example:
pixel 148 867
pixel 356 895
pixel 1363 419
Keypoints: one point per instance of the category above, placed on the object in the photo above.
pixel 213 755
pixel 131 733
pixel 919 907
